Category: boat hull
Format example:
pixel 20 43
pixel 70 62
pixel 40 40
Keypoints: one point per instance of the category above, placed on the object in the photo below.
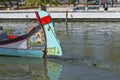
pixel 40 41
pixel 22 53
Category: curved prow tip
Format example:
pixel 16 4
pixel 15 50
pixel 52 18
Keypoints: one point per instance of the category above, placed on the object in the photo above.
pixel 43 17
pixel 53 44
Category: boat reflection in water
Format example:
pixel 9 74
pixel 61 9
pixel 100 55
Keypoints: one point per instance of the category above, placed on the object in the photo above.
pixel 22 68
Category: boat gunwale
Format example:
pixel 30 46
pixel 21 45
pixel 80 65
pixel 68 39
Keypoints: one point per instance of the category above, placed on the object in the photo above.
pixel 20 38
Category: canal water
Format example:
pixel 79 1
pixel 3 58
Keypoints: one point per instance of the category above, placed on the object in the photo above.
pixel 91 51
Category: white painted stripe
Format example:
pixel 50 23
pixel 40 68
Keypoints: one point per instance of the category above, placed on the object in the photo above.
pixel 17 45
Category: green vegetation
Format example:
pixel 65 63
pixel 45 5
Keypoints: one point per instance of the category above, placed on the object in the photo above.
pixel 30 3
pixel 44 3
pixel 71 2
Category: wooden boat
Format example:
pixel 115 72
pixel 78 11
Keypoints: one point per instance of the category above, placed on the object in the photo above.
pixel 40 41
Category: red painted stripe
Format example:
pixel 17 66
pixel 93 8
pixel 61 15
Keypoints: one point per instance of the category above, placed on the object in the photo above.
pixel 45 20
pixel 38 17
pixel 11 36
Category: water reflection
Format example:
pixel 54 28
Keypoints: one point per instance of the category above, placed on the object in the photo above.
pixel 88 43
pixel 18 68
pixel 97 42
pixel 90 39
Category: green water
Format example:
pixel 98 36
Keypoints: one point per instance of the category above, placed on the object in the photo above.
pixel 91 51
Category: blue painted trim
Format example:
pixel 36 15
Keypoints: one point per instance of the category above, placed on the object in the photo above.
pixel 22 53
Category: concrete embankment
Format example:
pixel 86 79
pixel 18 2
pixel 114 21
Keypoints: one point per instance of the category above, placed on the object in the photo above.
pixel 61 15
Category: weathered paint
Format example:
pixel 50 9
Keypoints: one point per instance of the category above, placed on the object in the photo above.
pixel 36 51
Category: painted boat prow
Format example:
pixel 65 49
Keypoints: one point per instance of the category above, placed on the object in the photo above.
pixel 53 44
pixel 28 46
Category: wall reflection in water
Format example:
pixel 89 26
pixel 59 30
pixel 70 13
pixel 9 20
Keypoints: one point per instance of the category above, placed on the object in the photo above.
pixel 17 68
pixel 87 42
